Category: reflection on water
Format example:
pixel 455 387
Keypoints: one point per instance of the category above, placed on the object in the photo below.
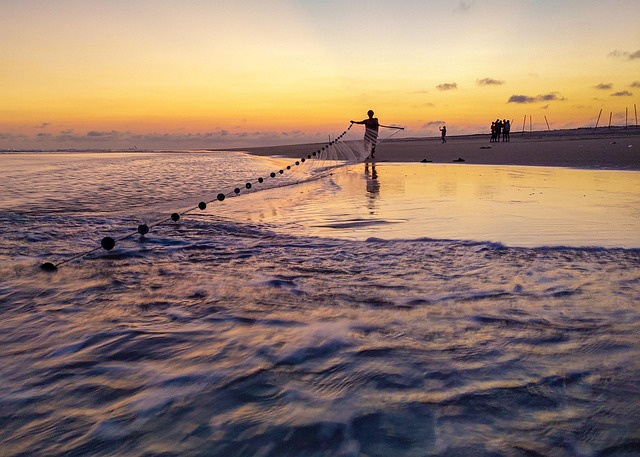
pixel 517 206
pixel 222 338
pixel 373 186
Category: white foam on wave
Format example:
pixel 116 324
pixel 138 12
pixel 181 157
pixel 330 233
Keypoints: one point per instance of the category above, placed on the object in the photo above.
pixel 314 340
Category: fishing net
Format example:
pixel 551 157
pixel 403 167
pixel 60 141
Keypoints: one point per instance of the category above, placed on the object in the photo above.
pixel 348 148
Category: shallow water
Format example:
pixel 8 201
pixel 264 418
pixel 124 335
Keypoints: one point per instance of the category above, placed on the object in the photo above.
pixel 428 311
pixel 512 205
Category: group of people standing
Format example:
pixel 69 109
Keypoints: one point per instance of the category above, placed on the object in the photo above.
pixel 500 129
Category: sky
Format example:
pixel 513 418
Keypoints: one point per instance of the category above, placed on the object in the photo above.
pixel 163 74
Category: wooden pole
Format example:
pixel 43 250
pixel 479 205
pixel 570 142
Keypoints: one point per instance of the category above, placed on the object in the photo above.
pixel 545 119
pixel 529 123
pixel 626 117
pixel 524 121
pixel 636 110
pixel 610 114
pixel 598 117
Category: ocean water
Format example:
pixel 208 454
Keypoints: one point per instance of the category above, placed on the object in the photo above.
pixel 377 310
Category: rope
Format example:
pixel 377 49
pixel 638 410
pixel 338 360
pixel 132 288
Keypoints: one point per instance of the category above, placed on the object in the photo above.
pixel 397 130
pixel 107 243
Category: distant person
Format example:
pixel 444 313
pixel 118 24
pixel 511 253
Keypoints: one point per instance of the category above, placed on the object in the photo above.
pixel 443 129
pixel 506 128
pixel 371 132
pixel 498 129
pixel 493 133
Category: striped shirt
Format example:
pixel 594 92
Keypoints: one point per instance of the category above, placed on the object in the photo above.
pixel 371 130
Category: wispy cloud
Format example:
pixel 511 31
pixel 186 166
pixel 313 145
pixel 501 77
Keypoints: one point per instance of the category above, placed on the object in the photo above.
pixel 465 5
pixel 447 86
pixel 114 139
pixel 622 93
pixel 430 124
pixel 12 136
pixel 553 96
pixel 635 84
pixel 603 86
pixel 523 99
pixel 625 54
pixel 110 135
pixel 489 82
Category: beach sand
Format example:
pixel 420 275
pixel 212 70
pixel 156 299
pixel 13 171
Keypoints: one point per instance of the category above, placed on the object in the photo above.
pixel 617 148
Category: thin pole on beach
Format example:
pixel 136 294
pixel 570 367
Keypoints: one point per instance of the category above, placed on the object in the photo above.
pixel 610 114
pixel 530 128
pixel 636 110
pixel 626 117
pixel 599 114
pixel 545 119
pixel 524 121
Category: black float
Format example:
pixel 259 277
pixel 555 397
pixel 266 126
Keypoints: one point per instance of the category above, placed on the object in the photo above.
pixel 107 243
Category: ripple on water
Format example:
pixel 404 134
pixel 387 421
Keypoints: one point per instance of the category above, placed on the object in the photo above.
pixel 214 337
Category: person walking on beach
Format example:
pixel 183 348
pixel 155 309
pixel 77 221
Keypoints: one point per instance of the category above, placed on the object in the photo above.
pixel 372 125
pixel 443 129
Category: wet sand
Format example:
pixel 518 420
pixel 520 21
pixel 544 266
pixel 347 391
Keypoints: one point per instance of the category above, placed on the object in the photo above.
pixel 617 148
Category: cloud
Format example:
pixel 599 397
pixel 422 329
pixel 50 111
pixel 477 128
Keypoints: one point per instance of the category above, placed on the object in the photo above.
pixel 603 86
pixel 12 136
pixel 430 124
pixel 105 135
pixel 553 96
pixel 623 93
pixel 465 5
pixel 489 82
pixel 523 99
pixel 114 139
pixel 447 86
pixel 625 54
pixel 420 106
pixel 635 84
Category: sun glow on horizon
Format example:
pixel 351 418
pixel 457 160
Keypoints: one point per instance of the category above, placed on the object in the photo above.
pixel 172 70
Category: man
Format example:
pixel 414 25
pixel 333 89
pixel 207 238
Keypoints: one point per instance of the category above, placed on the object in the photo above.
pixel 443 129
pixel 371 132
pixel 506 129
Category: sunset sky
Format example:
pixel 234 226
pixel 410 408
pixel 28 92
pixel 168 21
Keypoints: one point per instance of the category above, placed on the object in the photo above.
pixel 215 74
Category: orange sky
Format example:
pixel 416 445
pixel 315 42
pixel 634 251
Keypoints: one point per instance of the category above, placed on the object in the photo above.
pixel 193 74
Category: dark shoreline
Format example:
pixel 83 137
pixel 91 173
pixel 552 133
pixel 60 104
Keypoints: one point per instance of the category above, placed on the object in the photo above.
pixel 611 148
pixel 605 147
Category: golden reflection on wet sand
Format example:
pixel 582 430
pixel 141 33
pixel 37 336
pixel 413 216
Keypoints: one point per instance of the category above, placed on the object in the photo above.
pixel 517 206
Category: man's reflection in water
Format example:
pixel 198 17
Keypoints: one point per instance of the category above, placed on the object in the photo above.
pixel 373 186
